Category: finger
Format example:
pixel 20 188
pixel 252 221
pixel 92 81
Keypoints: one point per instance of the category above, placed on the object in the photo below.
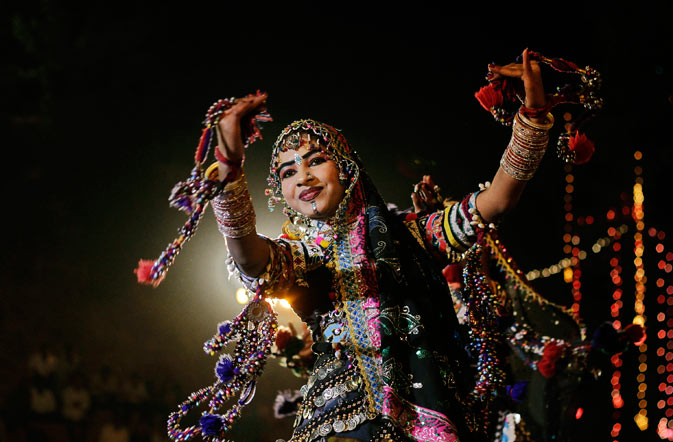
pixel 418 205
pixel 532 82
pixel 497 67
pixel 530 66
pixel 239 109
pixel 429 181
pixel 247 104
pixel 526 60
pixel 261 96
pixel 511 70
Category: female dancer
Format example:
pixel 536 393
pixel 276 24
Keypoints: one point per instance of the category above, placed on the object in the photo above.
pixel 390 363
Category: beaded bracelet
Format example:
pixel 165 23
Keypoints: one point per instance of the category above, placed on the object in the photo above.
pixel 222 159
pixel 537 112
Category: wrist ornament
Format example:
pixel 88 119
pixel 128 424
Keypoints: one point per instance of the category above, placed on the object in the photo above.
pixel 526 148
pixel 503 96
pixel 222 159
pixel 233 209
pixel 536 112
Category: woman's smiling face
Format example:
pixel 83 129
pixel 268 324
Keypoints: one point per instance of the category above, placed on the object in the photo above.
pixel 310 181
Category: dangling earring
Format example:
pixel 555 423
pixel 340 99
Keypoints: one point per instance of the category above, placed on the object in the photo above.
pixel 343 177
pixel 273 199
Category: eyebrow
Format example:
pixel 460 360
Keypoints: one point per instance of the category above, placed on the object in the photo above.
pixel 290 163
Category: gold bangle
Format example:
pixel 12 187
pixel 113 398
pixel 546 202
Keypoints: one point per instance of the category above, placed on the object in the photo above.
pixel 233 209
pixel 545 126
pixel 526 148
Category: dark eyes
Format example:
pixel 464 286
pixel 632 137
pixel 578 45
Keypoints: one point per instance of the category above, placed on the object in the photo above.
pixel 315 161
pixel 287 173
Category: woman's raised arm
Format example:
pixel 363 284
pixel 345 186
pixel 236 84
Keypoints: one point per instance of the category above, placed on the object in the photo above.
pixel 529 140
pixel 233 207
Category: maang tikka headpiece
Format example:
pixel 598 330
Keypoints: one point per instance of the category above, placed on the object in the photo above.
pixel 318 136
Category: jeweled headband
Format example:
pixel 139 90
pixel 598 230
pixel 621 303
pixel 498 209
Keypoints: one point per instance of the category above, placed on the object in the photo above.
pixel 329 140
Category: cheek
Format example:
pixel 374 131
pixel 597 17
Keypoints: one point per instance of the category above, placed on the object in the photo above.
pixel 286 189
pixel 329 173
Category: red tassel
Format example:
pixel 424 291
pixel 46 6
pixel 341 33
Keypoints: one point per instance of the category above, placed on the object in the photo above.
pixel 635 333
pixel 453 273
pixel 547 365
pixel 582 146
pixel 489 97
pixel 143 272
pixel 283 336
pixel 199 149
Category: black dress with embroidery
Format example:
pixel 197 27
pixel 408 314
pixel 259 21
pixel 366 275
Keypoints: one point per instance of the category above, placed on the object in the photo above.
pixel 422 353
pixel 333 401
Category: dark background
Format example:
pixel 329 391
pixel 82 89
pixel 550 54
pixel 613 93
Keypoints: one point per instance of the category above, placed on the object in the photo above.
pixel 102 110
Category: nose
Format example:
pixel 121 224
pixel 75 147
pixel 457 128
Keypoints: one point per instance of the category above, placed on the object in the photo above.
pixel 305 177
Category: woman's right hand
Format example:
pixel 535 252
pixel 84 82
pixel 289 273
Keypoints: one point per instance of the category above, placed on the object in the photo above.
pixel 230 142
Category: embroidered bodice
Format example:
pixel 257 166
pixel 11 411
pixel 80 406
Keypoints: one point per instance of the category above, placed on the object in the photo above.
pixel 349 390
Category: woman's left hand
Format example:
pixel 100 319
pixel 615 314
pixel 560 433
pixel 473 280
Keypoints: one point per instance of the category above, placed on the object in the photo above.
pixel 425 196
pixel 529 72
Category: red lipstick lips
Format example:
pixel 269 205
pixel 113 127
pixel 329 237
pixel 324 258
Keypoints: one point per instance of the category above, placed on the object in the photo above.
pixel 310 193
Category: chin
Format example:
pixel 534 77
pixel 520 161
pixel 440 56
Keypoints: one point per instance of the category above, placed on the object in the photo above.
pixel 326 209
pixel 321 215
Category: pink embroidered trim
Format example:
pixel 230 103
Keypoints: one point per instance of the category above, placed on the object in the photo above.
pixel 372 314
pixel 421 424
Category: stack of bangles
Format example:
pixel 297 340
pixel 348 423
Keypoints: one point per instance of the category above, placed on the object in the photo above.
pixel 233 209
pixel 526 148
